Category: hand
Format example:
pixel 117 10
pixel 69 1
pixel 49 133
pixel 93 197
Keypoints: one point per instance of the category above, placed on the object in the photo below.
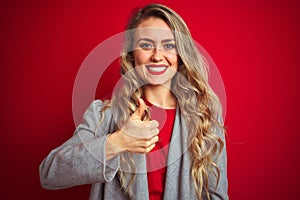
pixel 136 136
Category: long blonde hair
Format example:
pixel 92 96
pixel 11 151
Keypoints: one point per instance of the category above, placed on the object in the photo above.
pixel 199 105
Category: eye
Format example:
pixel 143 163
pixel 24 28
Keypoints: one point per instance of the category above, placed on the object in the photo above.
pixel 146 46
pixel 169 46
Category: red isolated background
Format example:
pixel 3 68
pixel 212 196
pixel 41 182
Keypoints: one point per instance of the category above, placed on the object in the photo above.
pixel 255 45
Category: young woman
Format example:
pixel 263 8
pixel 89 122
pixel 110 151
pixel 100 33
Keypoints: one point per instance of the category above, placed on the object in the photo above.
pixel 161 135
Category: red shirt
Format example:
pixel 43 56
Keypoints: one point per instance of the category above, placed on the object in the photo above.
pixel 157 158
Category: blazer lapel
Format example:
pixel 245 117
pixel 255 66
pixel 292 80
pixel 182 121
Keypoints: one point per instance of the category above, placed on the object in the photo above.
pixel 139 188
pixel 178 181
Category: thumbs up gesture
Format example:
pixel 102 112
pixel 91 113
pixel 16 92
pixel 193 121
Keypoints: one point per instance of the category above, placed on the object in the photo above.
pixel 137 136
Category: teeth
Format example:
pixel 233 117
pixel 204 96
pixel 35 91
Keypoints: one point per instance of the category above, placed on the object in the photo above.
pixel 157 69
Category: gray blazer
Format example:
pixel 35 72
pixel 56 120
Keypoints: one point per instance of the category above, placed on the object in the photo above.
pixel 81 160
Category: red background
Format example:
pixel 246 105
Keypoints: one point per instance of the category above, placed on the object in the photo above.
pixel 255 45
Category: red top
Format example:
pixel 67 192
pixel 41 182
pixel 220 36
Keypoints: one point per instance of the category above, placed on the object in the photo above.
pixel 157 158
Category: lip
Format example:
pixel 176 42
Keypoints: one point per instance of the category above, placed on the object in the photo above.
pixel 157 69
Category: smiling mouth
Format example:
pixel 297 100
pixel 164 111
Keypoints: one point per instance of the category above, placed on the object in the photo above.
pixel 156 69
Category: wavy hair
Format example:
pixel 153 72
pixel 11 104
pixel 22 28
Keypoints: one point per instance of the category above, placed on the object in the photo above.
pixel 199 105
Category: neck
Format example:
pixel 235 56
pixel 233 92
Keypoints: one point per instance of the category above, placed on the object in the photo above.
pixel 160 96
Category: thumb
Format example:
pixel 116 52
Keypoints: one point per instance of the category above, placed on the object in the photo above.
pixel 140 110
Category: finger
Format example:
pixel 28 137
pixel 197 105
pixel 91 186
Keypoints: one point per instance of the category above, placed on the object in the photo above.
pixel 154 132
pixel 148 149
pixel 145 146
pixel 152 124
pixel 143 150
pixel 150 134
pixel 140 110
pixel 154 139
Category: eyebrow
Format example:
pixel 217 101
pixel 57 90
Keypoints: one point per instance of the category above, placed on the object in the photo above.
pixel 152 41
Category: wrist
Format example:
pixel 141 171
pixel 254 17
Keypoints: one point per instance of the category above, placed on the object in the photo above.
pixel 116 143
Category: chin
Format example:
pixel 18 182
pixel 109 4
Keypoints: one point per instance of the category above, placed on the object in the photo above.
pixel 157 82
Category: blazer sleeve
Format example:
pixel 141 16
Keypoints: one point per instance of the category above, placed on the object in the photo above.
pixel 81 159
pixel 221 191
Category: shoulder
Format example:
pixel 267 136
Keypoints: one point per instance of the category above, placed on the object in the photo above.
pixel 97 111
pixel 97 106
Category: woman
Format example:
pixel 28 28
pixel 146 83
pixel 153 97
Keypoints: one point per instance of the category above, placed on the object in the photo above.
pixel 127 150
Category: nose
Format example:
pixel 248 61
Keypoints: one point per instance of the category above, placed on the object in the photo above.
pixel 156 55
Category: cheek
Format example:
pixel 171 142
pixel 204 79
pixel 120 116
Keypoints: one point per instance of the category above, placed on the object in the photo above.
pixel 140 71
pixel 173 60
pixel 140 58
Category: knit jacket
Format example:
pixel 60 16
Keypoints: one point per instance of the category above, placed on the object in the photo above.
pixel 81 160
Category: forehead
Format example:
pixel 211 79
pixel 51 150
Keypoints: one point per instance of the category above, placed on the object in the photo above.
pixel 154 28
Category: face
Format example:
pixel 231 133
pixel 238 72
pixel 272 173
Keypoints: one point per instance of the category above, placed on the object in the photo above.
pixel 155 55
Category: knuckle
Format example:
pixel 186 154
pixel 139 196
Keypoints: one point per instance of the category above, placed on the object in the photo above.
pixel 155 131
pixel 149 137
pixel 156 123
pixel 144 145
pixel 148 143
pixel 145 149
